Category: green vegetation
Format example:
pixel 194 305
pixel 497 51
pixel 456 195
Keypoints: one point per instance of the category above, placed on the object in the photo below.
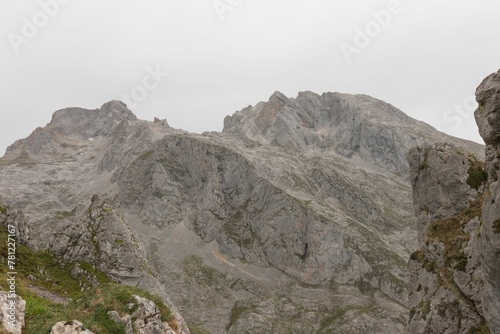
pixel 194 267
pixel 90 307
pixel 3 210
pixel 417 256
pixel 450 232
pixel 65 214
pixel 461 262
pixel 477 174
pixel 496 226
pixel 479 329
pixel 412 313
pixel 424 163
pixel 196 330
pixel 146 155
pixel 236 313
pixel 427 264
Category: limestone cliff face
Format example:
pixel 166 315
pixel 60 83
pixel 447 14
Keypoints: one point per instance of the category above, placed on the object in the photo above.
pixel 446 281
pixel 296 218
pixel 488 120
pixel 455 275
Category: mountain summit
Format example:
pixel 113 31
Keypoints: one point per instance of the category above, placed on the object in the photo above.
pixel 297 217
pixel 349 125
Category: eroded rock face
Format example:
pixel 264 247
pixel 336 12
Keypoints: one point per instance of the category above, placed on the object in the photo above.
pixel 446 282
pixel 102 238
pixel 348 124
pixel 439 176
pixel 146 319
pixel 488 119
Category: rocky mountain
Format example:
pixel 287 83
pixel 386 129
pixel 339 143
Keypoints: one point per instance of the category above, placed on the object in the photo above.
pixel 296 218
pixel 455 277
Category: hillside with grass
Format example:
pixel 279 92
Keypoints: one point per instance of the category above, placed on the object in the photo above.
pixel 52 293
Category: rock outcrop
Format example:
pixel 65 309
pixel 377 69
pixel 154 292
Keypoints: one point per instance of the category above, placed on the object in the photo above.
pixel 146 319
pixel 446 282
pixel 69 327
pixel 455 275
pixel 12 312
pixel 297 217
pixel 488 119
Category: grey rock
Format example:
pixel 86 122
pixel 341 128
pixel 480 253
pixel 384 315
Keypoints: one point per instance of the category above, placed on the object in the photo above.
pixel 147 319
pixel 118 319
pixel 488 119
pixel 13 312
pixel 446 283
pixel 349 124
pixel 69 327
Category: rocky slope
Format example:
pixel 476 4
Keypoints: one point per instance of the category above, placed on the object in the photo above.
pixel 454 285
pixel 56 292
pixel 297 218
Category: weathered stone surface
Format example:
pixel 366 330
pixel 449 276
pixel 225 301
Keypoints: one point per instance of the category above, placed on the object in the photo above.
pixel 439 175
pixel 69 327
pixel 146 319
pixel 445 279
pixel 488 120
pixel 349 124
pixel 13 312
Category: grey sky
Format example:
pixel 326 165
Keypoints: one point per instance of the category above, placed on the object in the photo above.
pixel 425 57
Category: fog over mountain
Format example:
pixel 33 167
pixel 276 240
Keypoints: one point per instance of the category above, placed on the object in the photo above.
pixel 221 55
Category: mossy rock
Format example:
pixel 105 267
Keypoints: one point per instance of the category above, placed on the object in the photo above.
pixel 477 175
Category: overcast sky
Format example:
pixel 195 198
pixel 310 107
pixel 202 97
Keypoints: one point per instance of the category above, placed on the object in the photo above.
pixel 425 57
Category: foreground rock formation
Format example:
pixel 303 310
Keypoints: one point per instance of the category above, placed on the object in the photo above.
pixel 488 119
pixel 446 282
pixel 455 275
pixel 13 312
pixel 296 218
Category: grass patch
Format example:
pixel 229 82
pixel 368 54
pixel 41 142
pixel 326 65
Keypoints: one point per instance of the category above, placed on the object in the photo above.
pixel 90 307
pixel 236 312
pixel 450 232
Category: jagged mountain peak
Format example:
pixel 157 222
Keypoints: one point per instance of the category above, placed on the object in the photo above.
pixel 70 127
pixel 349 125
